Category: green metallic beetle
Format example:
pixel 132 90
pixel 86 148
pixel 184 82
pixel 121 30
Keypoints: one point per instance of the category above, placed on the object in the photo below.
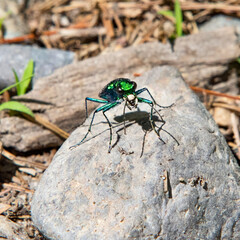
pixel 118 91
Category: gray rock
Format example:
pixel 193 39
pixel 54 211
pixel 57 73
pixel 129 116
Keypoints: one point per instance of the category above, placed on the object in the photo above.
pixel 17 57
pixel 87 193
pixel 220 21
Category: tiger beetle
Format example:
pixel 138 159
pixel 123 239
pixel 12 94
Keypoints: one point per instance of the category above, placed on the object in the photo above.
pixel 114 93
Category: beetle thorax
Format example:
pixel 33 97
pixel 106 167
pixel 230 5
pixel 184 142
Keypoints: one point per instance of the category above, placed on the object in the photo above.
pixel 131 101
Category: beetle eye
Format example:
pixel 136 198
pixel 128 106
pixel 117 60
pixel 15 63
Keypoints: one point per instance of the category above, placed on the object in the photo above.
pixel 134 85
pixel 119 90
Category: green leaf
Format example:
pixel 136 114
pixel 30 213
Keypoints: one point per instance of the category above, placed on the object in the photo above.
pixel 178 16
pixel 11 86
pixel 17 81
pixel 166 13
pixel 238 60
pixel 16 106
pixel 26 78
pixel 1 22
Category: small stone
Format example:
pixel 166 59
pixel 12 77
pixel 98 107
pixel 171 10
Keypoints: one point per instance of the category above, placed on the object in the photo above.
pixel 64 21
pixel 168 28
pixel 45 60
pixel 182 180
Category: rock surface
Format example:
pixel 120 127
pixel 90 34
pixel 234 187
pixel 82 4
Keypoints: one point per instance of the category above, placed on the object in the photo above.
pixel 220 21
pixel 16 57
pixel 89 194
pixel 200 57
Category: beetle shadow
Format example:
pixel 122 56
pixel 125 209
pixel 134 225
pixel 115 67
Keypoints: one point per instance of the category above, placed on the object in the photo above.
pixel 139 117
pixel 142 118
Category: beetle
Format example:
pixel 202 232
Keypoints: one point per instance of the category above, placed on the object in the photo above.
pixel 114 93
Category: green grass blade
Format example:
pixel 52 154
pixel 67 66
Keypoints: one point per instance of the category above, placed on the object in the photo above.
pixel 16 106
pixel 26 77
pixel 1 22
pixel 17 81
pixel 178 16
pixel 12 86
pixel 167 13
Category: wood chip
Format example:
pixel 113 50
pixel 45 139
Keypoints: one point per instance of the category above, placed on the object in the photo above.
pixel 227 106
pixel 17 188
pixel 47 5
pixel 216 6
pixel 5 191
pixel 16 180
pixel 29 171
pixel 236 135
pixel 165 182
pixel 4 207
pixel 107 20
pixel 21 161
pixel 83 5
